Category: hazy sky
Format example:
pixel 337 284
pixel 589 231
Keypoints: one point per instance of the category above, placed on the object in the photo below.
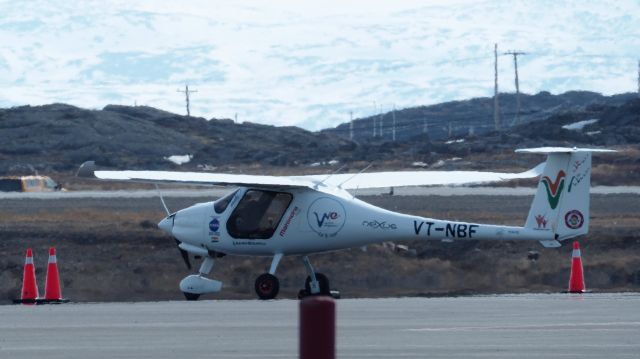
pixel 290 63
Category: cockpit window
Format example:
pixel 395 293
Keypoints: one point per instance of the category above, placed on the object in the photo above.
pixel 221 204
pixel 258 214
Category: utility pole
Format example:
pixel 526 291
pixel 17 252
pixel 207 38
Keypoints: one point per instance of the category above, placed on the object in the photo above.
pixel 380 124
pixel 351 126
pixel 235 118
pixel 515 65
pixel 393 133
pixel 424 126
pixel 186 94
pixel 375 110
pixel 496 106
pixel 638 78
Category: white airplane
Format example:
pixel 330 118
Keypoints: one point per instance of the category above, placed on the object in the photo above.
pixel 281 216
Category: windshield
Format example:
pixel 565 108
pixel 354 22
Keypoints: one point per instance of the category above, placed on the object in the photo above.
pixel 258 214
pixel 221 204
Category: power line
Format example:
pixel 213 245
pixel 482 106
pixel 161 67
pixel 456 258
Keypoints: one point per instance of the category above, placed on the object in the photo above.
pixel 186 92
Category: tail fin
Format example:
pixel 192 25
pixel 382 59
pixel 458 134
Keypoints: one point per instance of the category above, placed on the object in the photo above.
pixel 561 203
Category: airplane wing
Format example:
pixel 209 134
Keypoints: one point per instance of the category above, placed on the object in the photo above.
pixel 343 181
pixel 417 178
pixel 87 169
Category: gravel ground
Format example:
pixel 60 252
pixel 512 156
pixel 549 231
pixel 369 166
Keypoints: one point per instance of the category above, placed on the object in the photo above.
pixel 109 249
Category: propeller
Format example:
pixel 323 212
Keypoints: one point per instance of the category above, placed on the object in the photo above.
pixel 183 253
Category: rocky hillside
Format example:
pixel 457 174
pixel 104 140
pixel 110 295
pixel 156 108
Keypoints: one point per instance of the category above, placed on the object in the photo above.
pixel 474 116
pixel 58 137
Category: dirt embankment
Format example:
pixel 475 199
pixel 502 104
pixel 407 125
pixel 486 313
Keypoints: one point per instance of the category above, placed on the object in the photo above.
pixel 111 250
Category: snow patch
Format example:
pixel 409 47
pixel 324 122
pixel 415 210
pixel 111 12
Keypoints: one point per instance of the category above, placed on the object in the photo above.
pixel 578 126
pixel 324 163
pixel 179 159
pixel 455 141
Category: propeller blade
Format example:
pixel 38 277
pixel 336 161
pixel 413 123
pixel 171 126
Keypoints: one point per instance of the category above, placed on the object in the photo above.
pixel 185 255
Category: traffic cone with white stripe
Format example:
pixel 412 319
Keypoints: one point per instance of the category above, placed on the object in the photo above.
pixel 52 293
pixel 29 293
pixel 52 283
pixel 576 279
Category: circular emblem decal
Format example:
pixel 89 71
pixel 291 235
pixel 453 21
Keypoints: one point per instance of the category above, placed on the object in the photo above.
pixel 214 225
pixel 326 216
pixel 574 219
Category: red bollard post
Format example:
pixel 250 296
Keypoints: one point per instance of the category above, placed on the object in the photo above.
pixel 317 328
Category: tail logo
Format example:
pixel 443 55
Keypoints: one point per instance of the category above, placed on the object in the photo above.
pixel 554 188
pixel 541 221
pixel 574 219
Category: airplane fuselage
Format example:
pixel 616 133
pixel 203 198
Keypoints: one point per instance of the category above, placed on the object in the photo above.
pixel 303 221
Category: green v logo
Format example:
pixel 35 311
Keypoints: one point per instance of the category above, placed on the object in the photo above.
pixel 554 188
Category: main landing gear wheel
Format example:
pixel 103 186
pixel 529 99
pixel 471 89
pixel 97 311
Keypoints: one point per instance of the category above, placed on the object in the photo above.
pixel 191 296
pixel 267 286
pixel 323 282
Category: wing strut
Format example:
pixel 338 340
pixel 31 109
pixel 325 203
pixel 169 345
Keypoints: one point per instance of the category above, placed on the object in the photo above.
pixel 355 174
pixel 329 176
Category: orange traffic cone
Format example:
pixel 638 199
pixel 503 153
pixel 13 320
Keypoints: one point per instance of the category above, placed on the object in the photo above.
pixel 52 283
pixel 52 293
pixel 576 279
pixel 29 287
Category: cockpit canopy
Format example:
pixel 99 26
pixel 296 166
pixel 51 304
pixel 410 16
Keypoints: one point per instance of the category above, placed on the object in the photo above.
pixel 258 213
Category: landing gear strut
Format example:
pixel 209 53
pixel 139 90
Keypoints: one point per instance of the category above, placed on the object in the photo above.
pixel 316 283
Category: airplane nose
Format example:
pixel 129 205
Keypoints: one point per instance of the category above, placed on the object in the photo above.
pixel 167 224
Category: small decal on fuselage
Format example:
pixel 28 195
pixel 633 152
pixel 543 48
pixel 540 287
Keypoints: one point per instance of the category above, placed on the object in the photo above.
pixel 451 230
pixel 382 225
pixel 293 213
pixel 326 217
pixel 214 226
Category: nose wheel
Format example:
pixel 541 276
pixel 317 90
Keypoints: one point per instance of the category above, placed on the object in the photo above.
pixel 267 286
pixel 191 296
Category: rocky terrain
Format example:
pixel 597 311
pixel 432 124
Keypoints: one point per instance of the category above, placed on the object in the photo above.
pixel 57 138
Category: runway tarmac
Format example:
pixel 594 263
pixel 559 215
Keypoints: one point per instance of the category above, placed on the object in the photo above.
pixel 501 326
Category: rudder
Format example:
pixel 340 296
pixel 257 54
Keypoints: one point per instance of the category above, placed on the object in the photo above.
pixel 561 203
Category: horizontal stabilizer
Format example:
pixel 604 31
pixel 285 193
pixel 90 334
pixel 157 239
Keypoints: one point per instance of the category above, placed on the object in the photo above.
pixel 548 150
pixel 550 243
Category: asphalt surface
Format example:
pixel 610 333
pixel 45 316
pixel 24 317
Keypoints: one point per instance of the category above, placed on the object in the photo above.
pixel 216 192
pixel 504 326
